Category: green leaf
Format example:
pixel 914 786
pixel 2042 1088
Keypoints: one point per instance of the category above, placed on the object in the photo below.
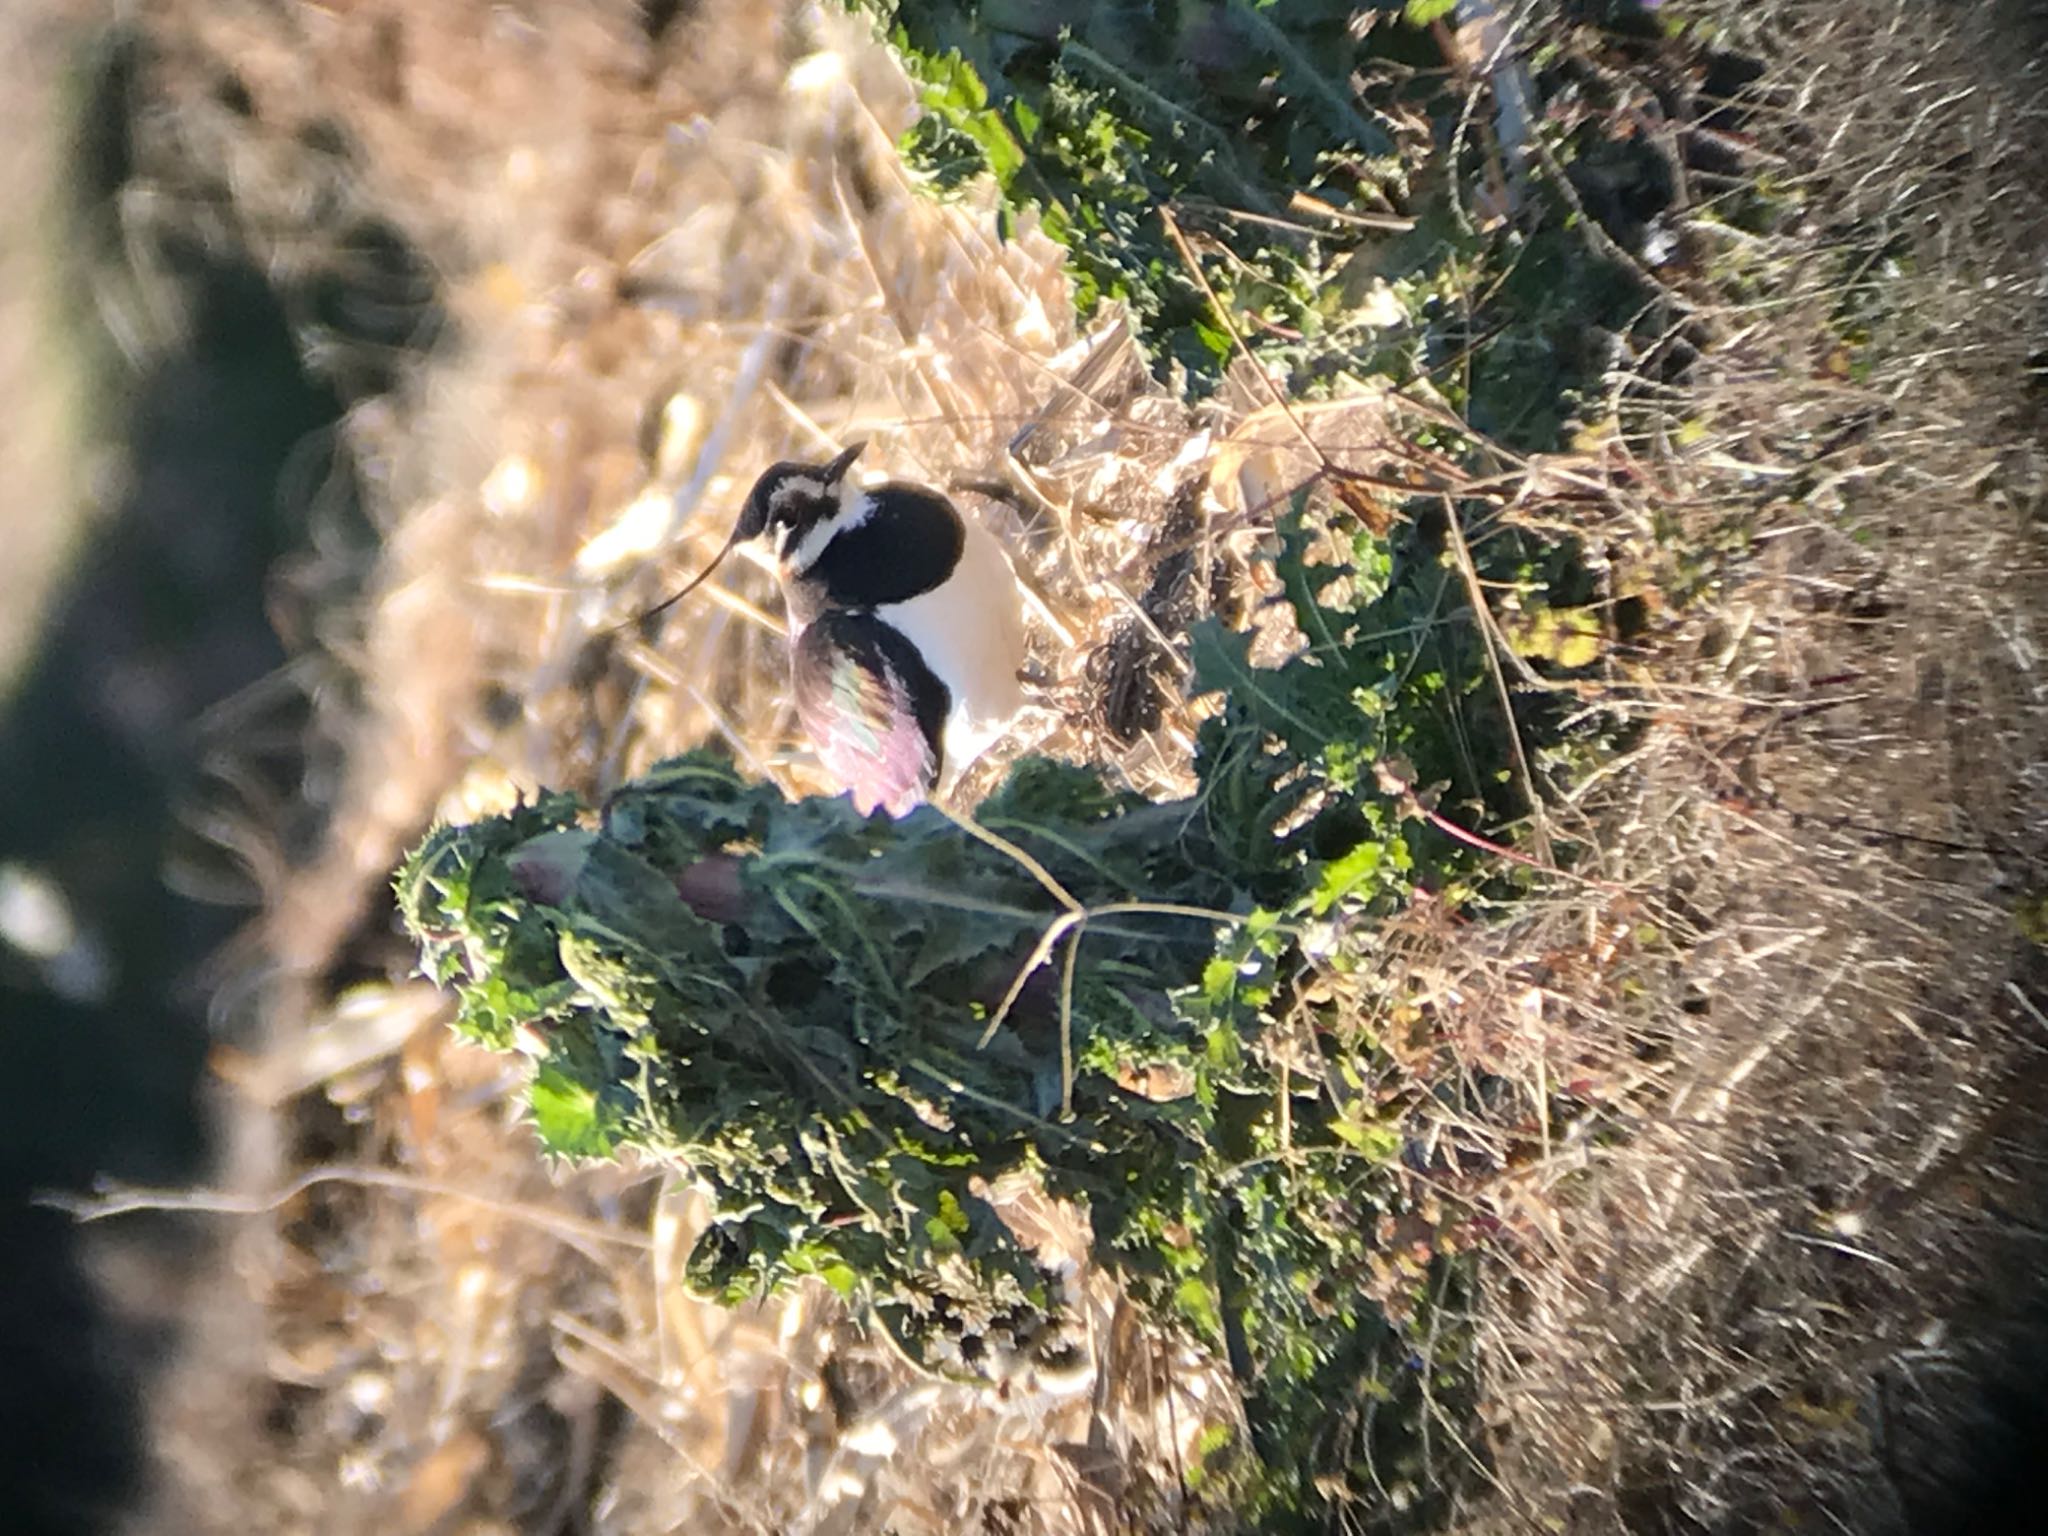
pixel 1273 697
pixel 1101 115
pixel 1197 1302
pixel 568 1116
pixel 1570 637
pixel 842 1279
pixel 1420 13
pixel 2030 916
pixel 1380 1142
pixel 1347 876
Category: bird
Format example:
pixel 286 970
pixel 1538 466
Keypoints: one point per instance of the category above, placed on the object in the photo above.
pixel 906 627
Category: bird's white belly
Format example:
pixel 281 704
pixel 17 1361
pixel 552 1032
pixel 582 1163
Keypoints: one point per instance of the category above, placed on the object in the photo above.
pixel 970 632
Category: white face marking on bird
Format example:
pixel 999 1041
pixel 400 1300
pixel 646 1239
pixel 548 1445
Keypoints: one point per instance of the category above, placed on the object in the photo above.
pixel 855 507
pixel 787 504
pixel 788 496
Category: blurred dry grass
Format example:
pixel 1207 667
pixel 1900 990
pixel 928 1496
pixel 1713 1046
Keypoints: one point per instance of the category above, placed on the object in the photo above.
pixel 672 255
pixel 40 385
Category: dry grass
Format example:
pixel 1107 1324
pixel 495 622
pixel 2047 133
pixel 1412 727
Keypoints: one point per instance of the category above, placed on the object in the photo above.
pixel 43 390
pixel 1784 1272
pixel 1761 1268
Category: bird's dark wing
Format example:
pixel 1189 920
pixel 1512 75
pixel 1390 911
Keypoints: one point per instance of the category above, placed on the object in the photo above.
pixel 871 707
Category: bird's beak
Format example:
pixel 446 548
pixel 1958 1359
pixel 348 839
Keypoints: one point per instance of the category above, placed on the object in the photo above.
pixel 834 473
pixel 836 470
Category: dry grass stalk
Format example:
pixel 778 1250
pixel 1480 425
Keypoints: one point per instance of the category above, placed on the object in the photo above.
pixel 1791 1247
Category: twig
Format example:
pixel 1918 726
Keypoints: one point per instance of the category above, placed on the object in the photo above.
pixel 1075 917
pixel 2027 1003
pixel 1489 638
pixel 739 405
pixel 112 1198
pixel 1835 1244
pixel 1040 953
pixel 1375 138
pixel 1067 1024
pixel 1194 267
pixel 1010 850
pixel 1596 233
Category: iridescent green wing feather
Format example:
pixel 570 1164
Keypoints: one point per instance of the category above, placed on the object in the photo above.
pixel 871 708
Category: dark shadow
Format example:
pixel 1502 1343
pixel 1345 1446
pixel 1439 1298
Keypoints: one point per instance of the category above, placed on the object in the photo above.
pixel 101 743
pixel 165 618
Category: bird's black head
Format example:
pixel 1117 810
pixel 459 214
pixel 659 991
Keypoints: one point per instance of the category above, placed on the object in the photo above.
pixel 790 498
pixel 785 503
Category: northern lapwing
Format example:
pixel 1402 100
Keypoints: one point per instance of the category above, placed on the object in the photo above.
pixel 906 628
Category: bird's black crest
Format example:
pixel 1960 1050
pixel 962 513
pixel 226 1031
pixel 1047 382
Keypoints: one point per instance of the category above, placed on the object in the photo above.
pixel 794 495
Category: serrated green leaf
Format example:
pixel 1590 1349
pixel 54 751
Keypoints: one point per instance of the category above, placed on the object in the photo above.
pixel 569 1118
pixel 1222 664
pixel 1354 874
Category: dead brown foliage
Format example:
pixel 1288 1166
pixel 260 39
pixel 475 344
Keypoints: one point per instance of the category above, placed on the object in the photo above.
pixel 1789 1279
